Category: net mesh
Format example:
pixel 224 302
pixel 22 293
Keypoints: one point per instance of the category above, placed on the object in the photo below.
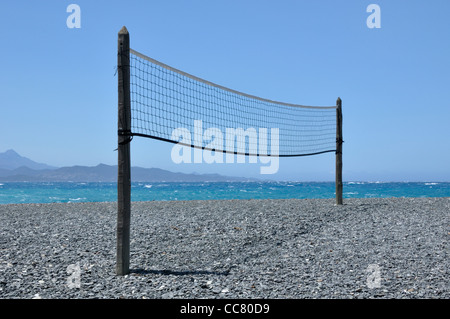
pixel 164 99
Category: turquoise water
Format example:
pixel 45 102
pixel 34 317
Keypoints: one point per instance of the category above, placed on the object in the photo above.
pixel 30 192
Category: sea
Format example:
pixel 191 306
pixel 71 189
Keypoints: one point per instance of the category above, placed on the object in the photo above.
pixel 75 192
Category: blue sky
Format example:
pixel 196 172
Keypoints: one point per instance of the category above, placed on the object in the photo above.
pixel 59 89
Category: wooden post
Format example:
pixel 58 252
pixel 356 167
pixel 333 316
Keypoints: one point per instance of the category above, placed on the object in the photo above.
pixel 339 141
pixel 123 177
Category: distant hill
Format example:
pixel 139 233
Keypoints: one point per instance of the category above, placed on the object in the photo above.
pixel 10 160
pixel 99 173
pixel 106 173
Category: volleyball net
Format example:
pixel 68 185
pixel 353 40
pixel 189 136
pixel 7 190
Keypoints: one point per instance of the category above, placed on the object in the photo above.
pixel 165 100
pixel 163 103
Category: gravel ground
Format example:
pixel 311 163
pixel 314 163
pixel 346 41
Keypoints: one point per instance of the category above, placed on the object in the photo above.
pixel 367 248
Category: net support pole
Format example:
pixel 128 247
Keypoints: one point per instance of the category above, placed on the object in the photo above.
pixel 123 177
pixel 339 141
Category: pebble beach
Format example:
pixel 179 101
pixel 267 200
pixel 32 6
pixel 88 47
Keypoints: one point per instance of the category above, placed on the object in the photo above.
pixel 246 249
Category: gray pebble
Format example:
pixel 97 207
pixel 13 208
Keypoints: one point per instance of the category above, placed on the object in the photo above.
pixel 367 248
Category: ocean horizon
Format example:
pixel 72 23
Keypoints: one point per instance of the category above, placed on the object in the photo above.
pixel 76 192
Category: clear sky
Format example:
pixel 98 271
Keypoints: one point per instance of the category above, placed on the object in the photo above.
pixel 59 88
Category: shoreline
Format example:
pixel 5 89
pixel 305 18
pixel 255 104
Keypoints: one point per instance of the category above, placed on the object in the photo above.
pixel 227 200
pixel 245 249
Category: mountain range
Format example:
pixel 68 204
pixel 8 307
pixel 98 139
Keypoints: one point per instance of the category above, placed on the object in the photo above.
pixel 16 168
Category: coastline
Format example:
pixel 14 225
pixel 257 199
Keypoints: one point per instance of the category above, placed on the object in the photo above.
pixel 84 192
pixel 247 249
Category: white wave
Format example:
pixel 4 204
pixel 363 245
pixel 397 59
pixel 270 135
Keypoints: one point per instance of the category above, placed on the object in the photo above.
pixel 431 184
pixel 148 186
